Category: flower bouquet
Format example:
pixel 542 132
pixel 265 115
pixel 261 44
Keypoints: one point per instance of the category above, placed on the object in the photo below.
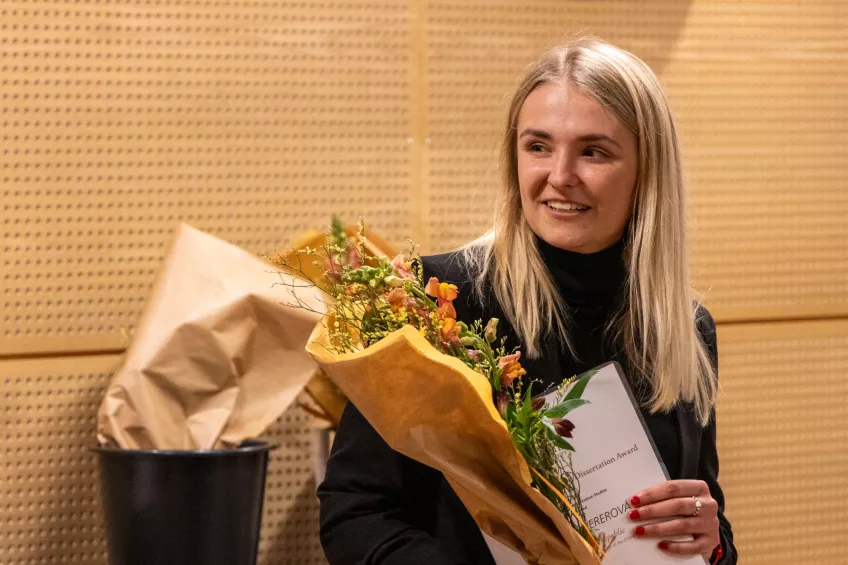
pixel 448 394
pixel 328 400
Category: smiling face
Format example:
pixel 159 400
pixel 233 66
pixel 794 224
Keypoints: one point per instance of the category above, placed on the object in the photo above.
pixel 577 168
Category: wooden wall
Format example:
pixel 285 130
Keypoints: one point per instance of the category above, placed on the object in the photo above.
pixel 256 120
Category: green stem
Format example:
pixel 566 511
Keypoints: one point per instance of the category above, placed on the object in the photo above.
pixel 422 296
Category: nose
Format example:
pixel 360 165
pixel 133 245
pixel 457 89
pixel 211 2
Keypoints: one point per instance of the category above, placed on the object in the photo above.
pixel 563 170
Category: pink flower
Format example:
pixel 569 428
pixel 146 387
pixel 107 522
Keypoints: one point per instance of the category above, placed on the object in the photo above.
pixel 507 360
pixel 475 355
pixel 511 368
pixel 334 270
pixel 397 298
pixel 401 268
pixel 354 259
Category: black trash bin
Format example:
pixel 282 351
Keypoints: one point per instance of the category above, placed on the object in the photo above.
pixel 183 507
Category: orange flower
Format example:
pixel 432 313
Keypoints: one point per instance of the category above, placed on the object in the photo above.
pixel 445 292
pixel 397 298
pixel 450 331
pixel 511 368
pixel 446 310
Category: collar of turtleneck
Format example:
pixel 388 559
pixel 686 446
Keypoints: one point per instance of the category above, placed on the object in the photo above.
pixel 586 279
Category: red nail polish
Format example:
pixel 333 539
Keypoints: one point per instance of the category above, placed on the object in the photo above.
pixel 635 501
pixel 639 531
pixel 634 515
pixel 663 545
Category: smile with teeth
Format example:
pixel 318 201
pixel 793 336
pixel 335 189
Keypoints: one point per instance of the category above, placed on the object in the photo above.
pixel 566 206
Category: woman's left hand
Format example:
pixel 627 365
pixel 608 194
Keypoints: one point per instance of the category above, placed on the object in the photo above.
pixel 678 500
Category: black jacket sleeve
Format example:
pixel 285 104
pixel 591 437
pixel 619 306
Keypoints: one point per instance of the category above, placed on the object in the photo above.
pixel 371 502
pixel 708 458
pixel 379 507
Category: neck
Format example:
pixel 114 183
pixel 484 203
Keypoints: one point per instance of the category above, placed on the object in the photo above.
pixel 586 279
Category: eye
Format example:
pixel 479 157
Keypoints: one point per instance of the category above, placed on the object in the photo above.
pixel 594 152
pixel 535 148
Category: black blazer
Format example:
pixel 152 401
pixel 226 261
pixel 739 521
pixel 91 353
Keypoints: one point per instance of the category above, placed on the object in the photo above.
pixel 379 507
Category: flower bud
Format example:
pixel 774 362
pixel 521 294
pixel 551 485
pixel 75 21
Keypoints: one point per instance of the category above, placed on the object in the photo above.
pixel 393 281
pixel 502 402
pixel 491 332
pixel 537 403
pixel 563 426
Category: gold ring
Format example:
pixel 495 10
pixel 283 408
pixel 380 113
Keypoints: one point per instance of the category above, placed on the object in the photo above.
pixel 697 507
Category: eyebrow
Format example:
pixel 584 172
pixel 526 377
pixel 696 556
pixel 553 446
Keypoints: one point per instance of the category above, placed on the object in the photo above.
pixel 588 138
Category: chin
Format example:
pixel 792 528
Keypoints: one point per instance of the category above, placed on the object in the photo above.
pixel 568 242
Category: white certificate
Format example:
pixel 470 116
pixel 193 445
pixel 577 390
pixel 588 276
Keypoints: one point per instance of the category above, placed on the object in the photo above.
pixel 614 458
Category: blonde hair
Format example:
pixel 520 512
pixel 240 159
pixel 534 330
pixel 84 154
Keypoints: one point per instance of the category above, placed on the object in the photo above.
pixel 657 325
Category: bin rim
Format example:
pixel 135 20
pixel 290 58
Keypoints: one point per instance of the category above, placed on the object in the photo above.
pixel 246 447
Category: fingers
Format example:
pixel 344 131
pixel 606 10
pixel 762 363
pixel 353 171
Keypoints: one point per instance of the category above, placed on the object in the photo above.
pixel 703 545
pixel 670 489
pixel 704 530
pixel 675 507
pixel 677 527
pixel 674 499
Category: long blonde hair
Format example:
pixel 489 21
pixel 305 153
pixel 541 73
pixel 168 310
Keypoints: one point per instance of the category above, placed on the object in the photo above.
pixel 657 325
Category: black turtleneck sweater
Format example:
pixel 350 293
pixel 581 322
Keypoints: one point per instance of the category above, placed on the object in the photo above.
pixel 378 507
pixel 593 287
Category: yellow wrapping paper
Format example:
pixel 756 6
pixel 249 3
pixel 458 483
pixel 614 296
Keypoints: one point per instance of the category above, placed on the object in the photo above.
pixel 433 408
pixel 217 357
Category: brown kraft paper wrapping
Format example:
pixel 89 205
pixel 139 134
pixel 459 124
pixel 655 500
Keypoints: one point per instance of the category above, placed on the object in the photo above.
pixel 433 408
pixel 216 358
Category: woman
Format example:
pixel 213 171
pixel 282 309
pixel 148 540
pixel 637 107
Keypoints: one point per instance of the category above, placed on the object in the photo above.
pixel 586 261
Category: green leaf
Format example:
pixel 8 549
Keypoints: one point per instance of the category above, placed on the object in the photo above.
pixel 564 407
pixel 526 406
pixel 510 412
pixel 578 388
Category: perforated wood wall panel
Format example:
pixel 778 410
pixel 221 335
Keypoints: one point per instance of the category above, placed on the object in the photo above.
pixel 477 51
pixel 757 87
pixel 783 440
pixel 290 514
pixel 759 90
pixel 49 492
pixel 252 120
pixel 49 495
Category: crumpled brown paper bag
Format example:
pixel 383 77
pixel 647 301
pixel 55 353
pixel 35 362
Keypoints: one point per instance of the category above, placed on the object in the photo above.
pixel 217 357
pixel 433 408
